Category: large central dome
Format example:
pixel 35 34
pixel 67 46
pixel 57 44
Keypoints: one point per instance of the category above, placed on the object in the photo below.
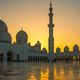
pixel 5 37
pixel 21 37
pixel 3 27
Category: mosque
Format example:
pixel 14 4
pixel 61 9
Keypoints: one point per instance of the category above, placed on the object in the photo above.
pixel 21 50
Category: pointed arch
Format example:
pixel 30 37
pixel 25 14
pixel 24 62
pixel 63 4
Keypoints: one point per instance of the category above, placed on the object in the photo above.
pixel 18 57
pixel 10 56
pixel 1 57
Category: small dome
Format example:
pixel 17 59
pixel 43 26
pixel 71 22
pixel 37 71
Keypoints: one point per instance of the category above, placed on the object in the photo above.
pixel 58 50
pixel 66 48
pixel 5 37
pixel 44 50
pixel 75 47
pixel 21 37
pixel 3 27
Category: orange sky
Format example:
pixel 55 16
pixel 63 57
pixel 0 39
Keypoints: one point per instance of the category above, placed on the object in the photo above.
pixel 32 15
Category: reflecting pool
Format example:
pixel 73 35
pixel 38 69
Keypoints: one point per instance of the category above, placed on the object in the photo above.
pixel 40 71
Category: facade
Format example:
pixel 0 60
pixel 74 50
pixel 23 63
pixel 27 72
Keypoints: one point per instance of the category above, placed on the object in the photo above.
pixel 21 50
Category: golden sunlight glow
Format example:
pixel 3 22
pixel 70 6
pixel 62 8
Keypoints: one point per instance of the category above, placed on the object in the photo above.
pixel 33 17
pixel 32 77
pixel 45 74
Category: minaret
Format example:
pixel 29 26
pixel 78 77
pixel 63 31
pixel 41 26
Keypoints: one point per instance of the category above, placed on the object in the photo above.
pixel 51 25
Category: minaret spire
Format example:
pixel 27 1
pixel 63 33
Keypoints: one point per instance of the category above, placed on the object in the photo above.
pixel 51 25
pixel 50 2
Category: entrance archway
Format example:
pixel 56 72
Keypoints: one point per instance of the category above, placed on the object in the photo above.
pixel 10 56
pixel 1 57
pixel 18 57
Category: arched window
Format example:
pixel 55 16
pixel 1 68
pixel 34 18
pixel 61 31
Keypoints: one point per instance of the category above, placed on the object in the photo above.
pixel 1 56
pixel 18 57
pixel 10 56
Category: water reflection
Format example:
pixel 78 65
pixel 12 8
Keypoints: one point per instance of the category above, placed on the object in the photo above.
pixel 40 71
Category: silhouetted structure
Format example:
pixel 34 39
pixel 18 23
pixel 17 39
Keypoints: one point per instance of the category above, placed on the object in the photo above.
pixel 21 50
pixel 51 25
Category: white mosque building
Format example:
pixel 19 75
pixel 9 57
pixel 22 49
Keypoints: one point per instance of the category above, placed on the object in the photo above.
pixel 23 51
pixel 20 50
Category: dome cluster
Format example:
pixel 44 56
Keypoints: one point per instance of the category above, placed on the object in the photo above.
pixel 66 49
pixel 21 36
pixel 4 34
